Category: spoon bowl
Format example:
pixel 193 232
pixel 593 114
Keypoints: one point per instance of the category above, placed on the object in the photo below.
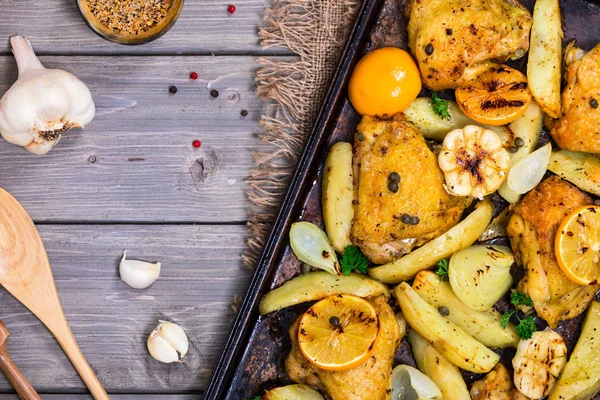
pixel 26 274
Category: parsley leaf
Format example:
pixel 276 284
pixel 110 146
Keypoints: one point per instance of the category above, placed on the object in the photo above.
pixel 440 106
pixel 442 270
pixel 520 299
pixel 526 327
pixel 353 260
pixel 505 318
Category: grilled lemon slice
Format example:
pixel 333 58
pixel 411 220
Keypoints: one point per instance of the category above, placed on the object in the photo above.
pixel 498 96
pixel 474 161
pixel 577 245
pixel 338 332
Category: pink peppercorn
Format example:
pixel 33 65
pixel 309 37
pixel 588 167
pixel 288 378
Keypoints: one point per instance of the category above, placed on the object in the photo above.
pixel 193 76
pixel 231 9
pixel 196 144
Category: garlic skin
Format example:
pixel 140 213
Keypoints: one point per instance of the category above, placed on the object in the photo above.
pixel 168 343
pixel 43 103
pixel 138 274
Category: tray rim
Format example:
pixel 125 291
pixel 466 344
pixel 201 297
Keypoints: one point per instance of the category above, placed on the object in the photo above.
pixel 247 317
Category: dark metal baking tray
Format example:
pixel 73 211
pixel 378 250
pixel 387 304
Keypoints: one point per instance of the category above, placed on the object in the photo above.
pixel 255 351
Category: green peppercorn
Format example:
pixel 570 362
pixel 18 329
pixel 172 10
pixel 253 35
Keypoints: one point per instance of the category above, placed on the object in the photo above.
pixel 394 177
pixel 513 149
pixel 444 311
pixel 519 142
pixel 393 186
pixel 360 137
pixel 405 218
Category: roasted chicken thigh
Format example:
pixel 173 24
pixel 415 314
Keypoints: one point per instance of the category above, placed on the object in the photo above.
pixel 369 381
pixel 390 217
pixel 531 230
pixel 578 128
pixel 455 40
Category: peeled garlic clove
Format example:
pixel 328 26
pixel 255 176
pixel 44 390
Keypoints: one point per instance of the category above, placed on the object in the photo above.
pixel 312 246
pixel 138 274
pixel 168 342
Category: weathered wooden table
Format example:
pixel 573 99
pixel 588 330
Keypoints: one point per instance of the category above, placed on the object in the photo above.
pixel 132 180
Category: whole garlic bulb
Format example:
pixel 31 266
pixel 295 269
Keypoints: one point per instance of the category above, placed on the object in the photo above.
pixel 168 342
pixel 43 103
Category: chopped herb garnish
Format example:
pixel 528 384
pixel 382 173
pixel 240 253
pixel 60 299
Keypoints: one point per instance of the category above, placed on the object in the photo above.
pixel 526 325
pixel 353 260
pixel 440 106
pixel 442 270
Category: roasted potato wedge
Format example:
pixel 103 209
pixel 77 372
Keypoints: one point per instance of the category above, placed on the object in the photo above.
pixel 528 128
pixel 461 236
pixel 442 372
pixel 318 285
pixel 336 199
pixel 434 127
pixel 292 392
pixel 581 169
pixel 482 325
pixel 444 335
pixel 580 380
pixel 545 56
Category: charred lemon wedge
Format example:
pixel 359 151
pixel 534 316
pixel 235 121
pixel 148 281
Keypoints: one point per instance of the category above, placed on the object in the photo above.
pixel 338 332
pixel 577 245
pixel 498 96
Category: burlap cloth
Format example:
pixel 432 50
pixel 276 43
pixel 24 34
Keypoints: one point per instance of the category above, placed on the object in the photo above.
pixel 316 31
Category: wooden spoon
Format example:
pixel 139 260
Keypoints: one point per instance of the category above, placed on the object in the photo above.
pixel 25 272
pixel 15 377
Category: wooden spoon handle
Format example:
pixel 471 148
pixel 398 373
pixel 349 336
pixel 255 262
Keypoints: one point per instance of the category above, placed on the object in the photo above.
pixel 16 378
pixel 67 341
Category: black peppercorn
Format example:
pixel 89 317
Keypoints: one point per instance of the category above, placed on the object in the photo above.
pixel 429 49
pixel 214 93
pixel 513 149
pixel 244 113
pixel 334 321
pixel 519 142
pixel 449 32
pixel 444 311
pixel 593 103
pixel 405 218
pixel 173 89
pixel 360 137
pixel 394 177
pixel 393 186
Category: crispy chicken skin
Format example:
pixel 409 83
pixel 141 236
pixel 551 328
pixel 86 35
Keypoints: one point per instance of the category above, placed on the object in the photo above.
pixel 496 385
pixel 455 40
pixel 368 381
pixel 531 230
pixel 578 128
pixel 396 145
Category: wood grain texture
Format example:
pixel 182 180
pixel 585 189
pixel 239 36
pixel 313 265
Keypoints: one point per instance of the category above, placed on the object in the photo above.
pixel 201 272
pixel 135 161
pixel 204 27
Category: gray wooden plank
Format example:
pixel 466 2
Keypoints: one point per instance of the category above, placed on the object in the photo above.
pixel 204 27
pixel 145 167
pixel 201 273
